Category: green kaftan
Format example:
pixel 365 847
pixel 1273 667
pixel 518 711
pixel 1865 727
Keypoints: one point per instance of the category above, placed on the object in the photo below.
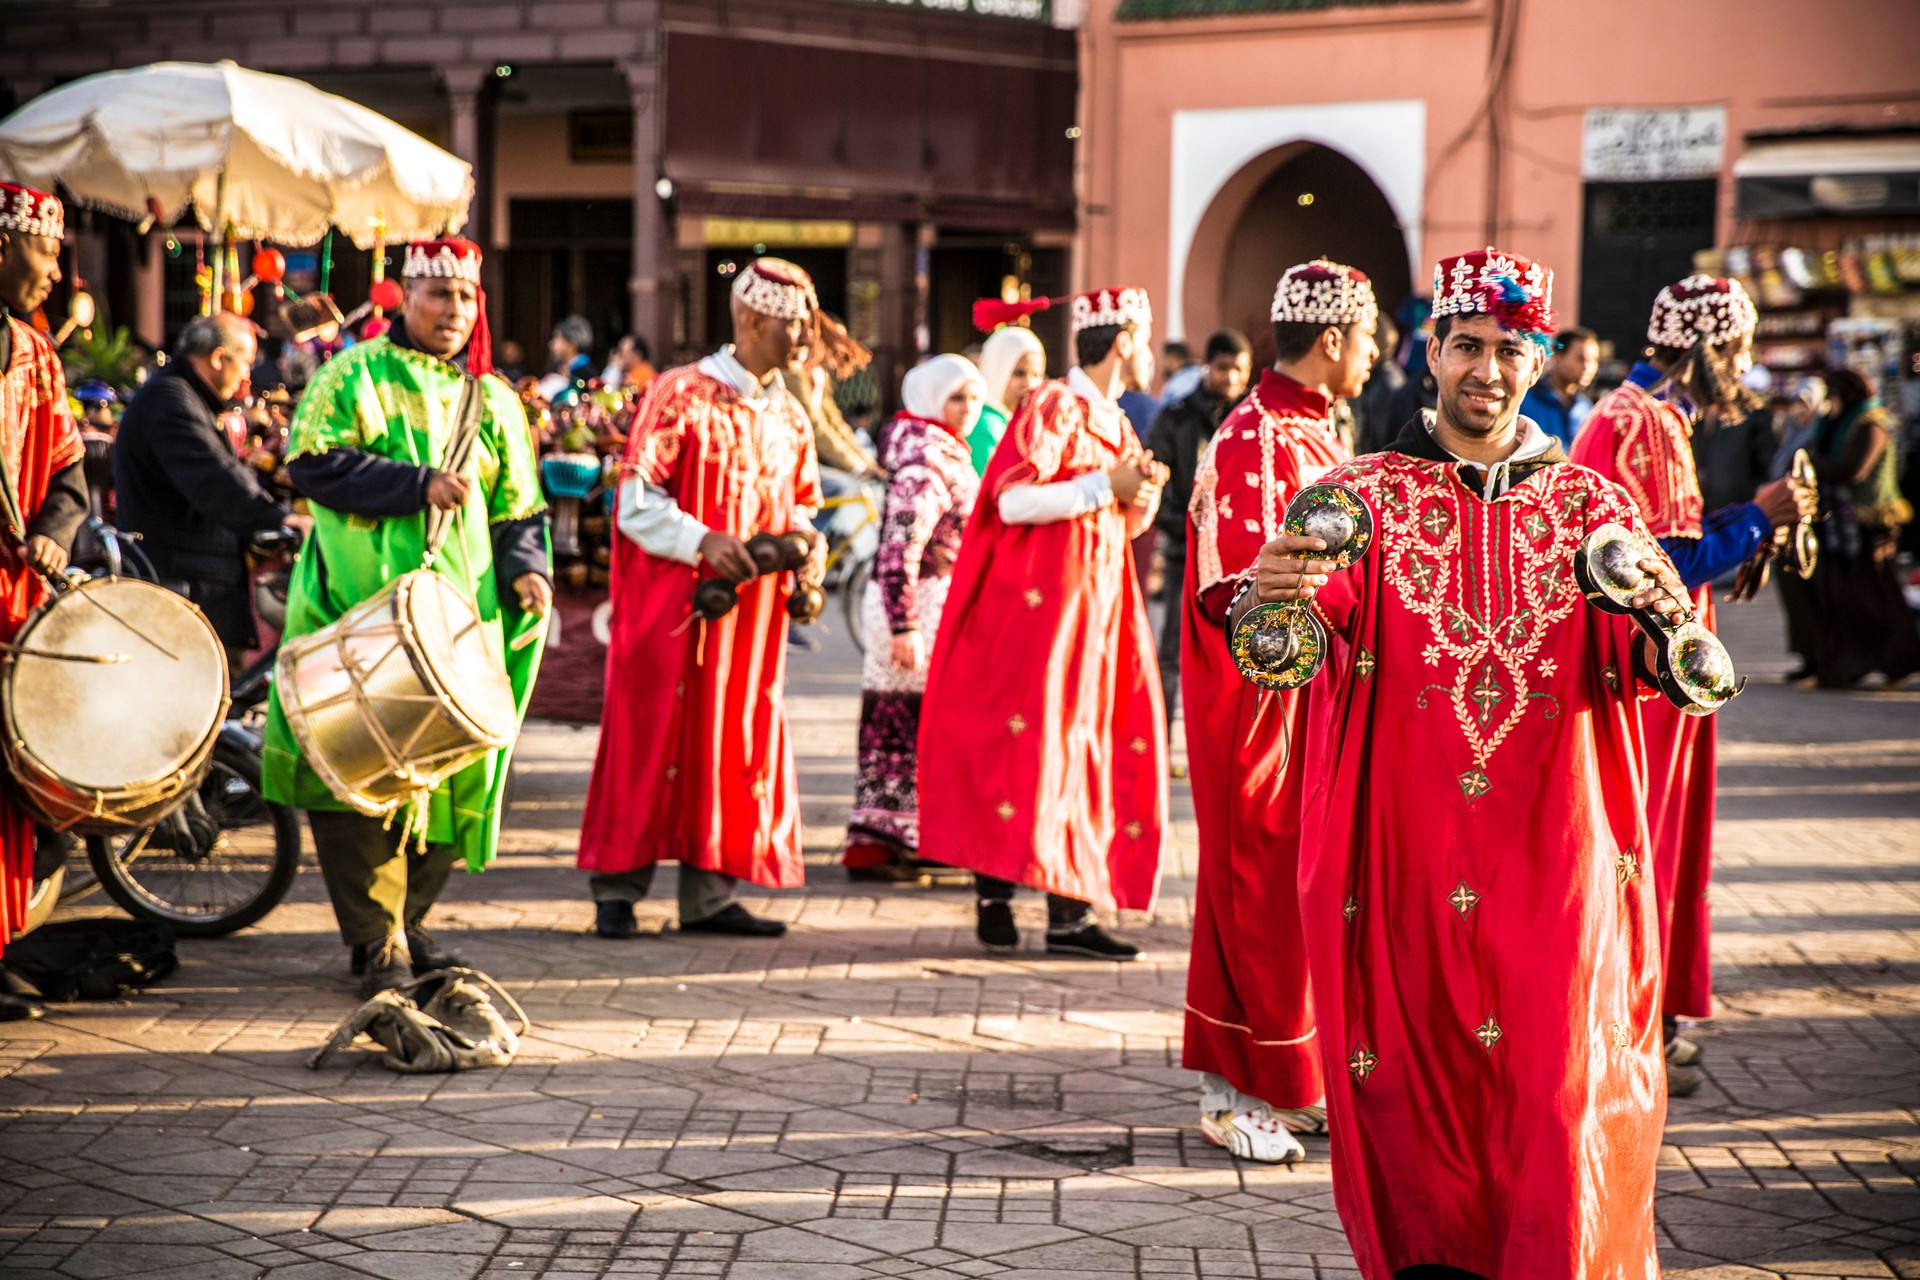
pixel 400 404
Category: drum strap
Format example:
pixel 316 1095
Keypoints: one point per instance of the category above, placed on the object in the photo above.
pixel 459 453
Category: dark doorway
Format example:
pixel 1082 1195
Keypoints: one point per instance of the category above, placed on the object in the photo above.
pixel 828 267
pixel 1319 204
pixel 569 257
pixel 1637 238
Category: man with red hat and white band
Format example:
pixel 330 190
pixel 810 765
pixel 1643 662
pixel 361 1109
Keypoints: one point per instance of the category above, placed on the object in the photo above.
pixel 695 765
pixel 1700 344
pixel 44 499
pixel 1474 879
pixel 1043 677
pixel 1250 1029
pixel 366 448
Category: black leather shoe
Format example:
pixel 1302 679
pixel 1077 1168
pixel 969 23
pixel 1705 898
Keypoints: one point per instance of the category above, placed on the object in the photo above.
pixel 386 966
pixel 613 919
pixel 429 955
pixel 18 1008
pixel 993 925
pixel 1090 940
pixel 736 920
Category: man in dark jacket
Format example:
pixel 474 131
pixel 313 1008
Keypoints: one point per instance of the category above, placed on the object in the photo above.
pixel 180 485
pixel 1180 431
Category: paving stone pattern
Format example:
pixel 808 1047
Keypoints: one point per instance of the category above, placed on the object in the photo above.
pixel 874 1096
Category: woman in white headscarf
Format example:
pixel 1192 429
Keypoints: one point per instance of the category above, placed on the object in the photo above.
pixel 1012 362
pixel 931 488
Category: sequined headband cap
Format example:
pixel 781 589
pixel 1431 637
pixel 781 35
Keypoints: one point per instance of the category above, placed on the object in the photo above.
pixel 1323 292
pixel 1127 305
pixel 454 259
pixel 1513 290
pixel 778 288
pixel 30 212
pixel 1712 308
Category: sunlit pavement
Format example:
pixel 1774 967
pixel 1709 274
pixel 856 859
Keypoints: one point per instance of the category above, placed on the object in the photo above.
pixel 875 1096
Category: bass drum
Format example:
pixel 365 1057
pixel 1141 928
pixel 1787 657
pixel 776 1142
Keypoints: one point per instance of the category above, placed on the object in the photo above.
pixel 113 693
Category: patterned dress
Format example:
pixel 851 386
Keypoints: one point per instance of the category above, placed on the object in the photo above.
pixel 929 498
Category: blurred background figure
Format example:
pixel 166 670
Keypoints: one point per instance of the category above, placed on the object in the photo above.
pixel 1861 623
pixel 931 487
pixel 629 366
pixel 1012 362
pixel 1373 407
pixel 569 362
pixel 1559 401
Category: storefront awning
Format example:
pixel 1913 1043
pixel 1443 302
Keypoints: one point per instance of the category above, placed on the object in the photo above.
pixel 1810 177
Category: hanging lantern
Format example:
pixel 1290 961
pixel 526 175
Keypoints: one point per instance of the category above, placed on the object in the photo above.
pixel 270 266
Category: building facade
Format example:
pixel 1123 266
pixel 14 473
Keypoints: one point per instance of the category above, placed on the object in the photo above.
pixel 629 155
pixel 1226 139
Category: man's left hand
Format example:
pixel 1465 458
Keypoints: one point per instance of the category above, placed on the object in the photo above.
pixel 815 568
pixel 1668 596
pixel 46 555
pixel 535 592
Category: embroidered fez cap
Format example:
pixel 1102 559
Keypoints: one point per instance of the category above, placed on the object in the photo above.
pixel 1323 292
pixel 455 259
pixel 1120 305
pixel 778 288
pixel 1516 292
pixel 30 212
pixel 1712 308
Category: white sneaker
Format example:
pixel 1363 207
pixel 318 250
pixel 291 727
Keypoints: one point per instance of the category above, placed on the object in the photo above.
pixel 1303 1119
pixel 1252 1135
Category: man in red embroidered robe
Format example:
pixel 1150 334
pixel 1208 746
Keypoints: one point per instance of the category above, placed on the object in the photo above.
pixel 45 494
pixel 1700 344
pixel 1043 676
pixel 695 764
pixel 1474 872
pixel 1249 1029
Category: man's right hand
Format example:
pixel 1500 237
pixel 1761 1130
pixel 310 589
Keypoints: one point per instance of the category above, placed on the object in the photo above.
pixel 728 556
pixel 1127 476
pixel 446 490
pixel 299 522
pixel 1783 502
pixel 1285 571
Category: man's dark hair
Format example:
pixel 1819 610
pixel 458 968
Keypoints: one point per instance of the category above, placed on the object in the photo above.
pixel 1703 375
pixel 1176 349
pixel 1847 390
pixel 640 347
pixel 1293 339
pixel 1566 338
pixel 1228 342
pixel 1094 343
pixel 204 335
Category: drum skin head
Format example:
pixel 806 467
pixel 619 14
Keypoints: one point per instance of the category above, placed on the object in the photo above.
pixel 109 727
pixel 464 664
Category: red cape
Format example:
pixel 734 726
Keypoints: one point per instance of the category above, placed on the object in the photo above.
pixel 1644 445
pixel 695 764
pixel 1249 1003
pixel 1475 891
pixel 37 438
pixel 1043 751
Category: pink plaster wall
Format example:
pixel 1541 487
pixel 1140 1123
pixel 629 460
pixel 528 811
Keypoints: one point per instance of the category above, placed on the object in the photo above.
pixel 1772 63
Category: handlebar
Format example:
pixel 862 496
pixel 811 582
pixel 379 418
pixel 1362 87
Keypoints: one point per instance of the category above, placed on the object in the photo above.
pixel 278 539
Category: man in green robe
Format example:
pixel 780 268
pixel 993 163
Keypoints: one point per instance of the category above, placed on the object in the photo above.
pixel 365 449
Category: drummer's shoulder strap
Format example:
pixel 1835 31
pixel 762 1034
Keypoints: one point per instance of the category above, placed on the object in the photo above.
pixel 459 453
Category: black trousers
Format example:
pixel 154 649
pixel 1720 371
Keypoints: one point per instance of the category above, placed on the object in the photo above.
pixel 1063 913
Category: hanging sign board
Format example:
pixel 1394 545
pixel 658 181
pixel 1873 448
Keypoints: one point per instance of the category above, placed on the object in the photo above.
pixel 1623 144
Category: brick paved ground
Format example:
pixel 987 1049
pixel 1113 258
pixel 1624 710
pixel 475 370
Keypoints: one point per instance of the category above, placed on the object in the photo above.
pixel 873 1096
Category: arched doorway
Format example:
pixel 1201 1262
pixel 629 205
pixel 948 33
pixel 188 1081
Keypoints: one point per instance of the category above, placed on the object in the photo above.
pixel 1293 203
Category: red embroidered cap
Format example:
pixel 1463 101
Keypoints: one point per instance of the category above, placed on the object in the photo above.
pixel 30 212
pixel 1119 305
pixel 1323 292
pixel 1713 308
pixel 1516 292
pixel 778 288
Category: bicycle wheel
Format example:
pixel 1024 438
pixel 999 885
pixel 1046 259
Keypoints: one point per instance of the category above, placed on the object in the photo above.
pixel 244 855
pixel 850 597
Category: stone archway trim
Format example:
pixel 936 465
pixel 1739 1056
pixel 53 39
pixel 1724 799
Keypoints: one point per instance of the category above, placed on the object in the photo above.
pixel 1387 139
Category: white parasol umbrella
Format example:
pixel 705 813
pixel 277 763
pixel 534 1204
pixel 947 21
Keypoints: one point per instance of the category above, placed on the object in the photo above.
pixel 269 157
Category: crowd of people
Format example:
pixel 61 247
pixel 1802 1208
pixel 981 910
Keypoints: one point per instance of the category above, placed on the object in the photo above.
pixel 1452 886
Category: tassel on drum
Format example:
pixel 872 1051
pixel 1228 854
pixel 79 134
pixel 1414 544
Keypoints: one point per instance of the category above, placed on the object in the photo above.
pixel 1282 646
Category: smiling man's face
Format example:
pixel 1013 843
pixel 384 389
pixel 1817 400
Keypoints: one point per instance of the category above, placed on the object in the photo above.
pixel 1482 371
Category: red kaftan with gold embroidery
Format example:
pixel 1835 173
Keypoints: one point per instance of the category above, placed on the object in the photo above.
pixel 1249 1004
pixel 694 763
pixel 1644 444
pixel 37 438
pixel 1043 749
pixel 1474 892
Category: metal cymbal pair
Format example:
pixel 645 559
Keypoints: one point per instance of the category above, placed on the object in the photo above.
pixel 1282 646
pixel 786 552
pixel 1799 555
pixel 1691 666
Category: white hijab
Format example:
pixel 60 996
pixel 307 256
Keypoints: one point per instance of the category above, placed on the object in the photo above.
pixel 1002 350
pixel 930 384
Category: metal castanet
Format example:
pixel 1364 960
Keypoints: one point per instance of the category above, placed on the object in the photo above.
pixel 1797 548
pixel 113 695
pixel 1691 667
pixel 1282 646
pixel 715 598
